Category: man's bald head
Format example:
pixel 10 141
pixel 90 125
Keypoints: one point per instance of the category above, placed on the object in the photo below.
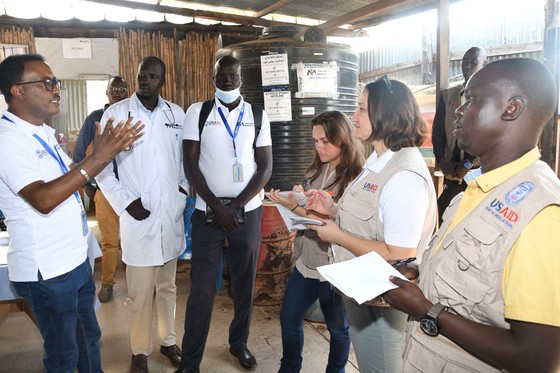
pixel 530 80
pixel 508 103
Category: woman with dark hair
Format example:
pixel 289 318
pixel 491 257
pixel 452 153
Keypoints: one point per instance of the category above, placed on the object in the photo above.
pixel 390 209
pixel 338 160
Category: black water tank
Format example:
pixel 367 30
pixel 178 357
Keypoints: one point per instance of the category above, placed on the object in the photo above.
pixel 292 144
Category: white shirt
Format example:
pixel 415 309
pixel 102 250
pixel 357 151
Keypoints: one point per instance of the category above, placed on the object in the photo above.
pixel 403 203
pixel 52 243
pixel 153 171
pixel 216 149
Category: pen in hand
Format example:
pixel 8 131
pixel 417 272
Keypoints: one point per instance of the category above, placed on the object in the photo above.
pixel 399 263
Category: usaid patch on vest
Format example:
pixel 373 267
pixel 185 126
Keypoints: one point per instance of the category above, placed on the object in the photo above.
pixel 518 194
pixel 370 187
pixel 500 211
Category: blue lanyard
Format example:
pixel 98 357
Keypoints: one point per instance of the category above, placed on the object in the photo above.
pixel 237 126
pixel 55 155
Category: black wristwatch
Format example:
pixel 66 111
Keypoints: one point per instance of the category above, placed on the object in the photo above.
pixel 429 322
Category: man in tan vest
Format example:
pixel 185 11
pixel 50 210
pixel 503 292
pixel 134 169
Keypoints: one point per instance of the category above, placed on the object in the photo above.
pixel 451 160
pixel 488 298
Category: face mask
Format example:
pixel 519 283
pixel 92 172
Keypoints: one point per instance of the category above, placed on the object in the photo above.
pixel 228 96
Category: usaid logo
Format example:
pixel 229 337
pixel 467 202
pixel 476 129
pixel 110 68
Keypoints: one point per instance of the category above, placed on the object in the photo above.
pixel 370 187
pixel 518 194
pixel 502 212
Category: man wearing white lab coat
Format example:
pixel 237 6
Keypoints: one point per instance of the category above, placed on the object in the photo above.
pixel 149 197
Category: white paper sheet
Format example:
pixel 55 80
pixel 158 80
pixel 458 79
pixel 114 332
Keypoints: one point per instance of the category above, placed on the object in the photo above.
pixel 286 216
pixel 299 196
pixel 303 221
pixel 362 278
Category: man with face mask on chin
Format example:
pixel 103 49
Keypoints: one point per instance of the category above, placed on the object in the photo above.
pixel 224 161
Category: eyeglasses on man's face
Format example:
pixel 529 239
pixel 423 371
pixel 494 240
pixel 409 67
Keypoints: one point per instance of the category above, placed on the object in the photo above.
pixel 50 84
pixel 118 90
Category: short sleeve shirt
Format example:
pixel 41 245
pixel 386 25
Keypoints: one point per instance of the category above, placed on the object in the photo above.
pixel 53 243
pixel 217 157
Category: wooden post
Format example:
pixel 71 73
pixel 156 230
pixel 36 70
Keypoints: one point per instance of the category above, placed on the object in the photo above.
pixel 442 54
pixel 549 137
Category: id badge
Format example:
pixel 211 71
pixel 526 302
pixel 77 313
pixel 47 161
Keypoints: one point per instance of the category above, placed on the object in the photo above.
pixel 85 228
pixel 237 172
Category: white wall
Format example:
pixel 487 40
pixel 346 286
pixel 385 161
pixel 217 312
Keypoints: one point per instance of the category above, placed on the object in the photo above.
pixel 105 58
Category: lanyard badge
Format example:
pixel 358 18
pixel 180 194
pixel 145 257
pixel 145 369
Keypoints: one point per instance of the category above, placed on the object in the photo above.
pixel 65 170
pixel 237 167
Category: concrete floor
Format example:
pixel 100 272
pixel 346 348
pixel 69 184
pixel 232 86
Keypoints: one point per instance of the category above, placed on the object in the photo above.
pixel 21 344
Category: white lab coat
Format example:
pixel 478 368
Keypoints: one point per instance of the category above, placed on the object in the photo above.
pixel 153 171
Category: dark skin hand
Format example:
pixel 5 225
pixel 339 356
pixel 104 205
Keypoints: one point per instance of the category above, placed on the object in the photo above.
pixel 90 191
pixel 453 170
pixel 44 197
pixel 137 210
pixel 525 347
pixel 409 270
pixel 225 218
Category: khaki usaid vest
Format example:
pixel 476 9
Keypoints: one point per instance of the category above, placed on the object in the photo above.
pixel 308 247
pixel 358 211
pixel 451 97
pixel 466 272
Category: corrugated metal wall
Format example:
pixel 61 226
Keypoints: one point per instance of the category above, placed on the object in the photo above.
pixel 516 26
pixel 73 107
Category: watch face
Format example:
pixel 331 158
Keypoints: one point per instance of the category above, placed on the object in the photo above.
pixel 429 327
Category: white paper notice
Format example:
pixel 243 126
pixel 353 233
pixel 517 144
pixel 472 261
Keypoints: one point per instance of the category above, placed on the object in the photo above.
pixel 76 48
pixel 362 278
pixel 317 79
pixel 274 69
pixel 278 106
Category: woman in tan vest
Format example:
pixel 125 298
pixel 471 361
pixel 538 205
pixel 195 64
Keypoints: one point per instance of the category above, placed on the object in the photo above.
pixel 338 160
pixel 390 208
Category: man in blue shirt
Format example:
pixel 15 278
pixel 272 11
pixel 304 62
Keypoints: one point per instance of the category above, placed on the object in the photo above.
pixel 107 219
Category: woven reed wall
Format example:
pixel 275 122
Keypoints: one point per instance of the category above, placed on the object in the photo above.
pixel 198 57
pixel 189 63
pixel 15 35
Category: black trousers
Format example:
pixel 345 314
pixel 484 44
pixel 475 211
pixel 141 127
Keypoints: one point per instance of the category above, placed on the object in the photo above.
pixel 242 258
pixel 450 189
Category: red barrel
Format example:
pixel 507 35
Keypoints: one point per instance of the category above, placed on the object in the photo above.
pixel 276 258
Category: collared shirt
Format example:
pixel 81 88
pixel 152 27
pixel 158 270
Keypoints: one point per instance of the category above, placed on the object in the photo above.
pixel 53 243
pixel 152 170
pixel 216 148
pixel 530 283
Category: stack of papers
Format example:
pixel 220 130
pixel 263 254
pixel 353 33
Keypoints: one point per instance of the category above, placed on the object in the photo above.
pixel 362 278
pixel 295 222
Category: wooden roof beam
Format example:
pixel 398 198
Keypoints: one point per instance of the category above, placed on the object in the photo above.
pixel 269 9
pixel 367 11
